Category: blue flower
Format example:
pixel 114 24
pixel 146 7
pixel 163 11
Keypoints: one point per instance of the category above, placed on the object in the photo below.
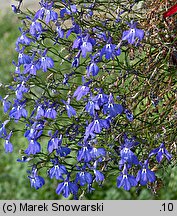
pixel 100 99
pixel 129 115
pixel 18 110
pixel 14 8
pixel 60 32
pixel 36 181
pixel 50 16
pixel 75 62
pixel 35 131
pixel 54 142
pixel 133 33
pixel 96 126
pixel 111 108
pixel 23 39
pixel 24 159
pixel 128 156
pixel 33 147
pixel 51 113
pixel 110 51
pixel 31 68
pixel 36 29
pixel 46 10
pixel 92 69
pixel 69 11
pixel 160 153
pixel 40 111
pixel 98 153
pixel 70 110
pixel 90 108
pixel 57 170
pixel 3 132
pixel 145 175
pixel 125 180
pixel 81 91
pixel 84 178
pixel 46 62
pixel 63 151
pixel 84 43
pixel 6 104
pixel 8 145
pixel 86 47
pixel 23 58
pixel 99 177
pixel 20 90
pixel 67 188
pixel 84 154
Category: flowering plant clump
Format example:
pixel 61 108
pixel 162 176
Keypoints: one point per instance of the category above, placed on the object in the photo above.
pixel 92 95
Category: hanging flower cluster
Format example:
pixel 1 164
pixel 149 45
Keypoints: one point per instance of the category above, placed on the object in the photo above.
pixel 73 89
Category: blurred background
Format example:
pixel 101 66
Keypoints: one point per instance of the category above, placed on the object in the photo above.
pixel 14 183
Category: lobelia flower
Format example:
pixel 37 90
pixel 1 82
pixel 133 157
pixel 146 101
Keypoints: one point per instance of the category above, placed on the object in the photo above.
pixel 6 104
pixel 111 108
pixel 145 175
pixel 129 115
pixel 20 90
pixel 81 91
pixel 92 69
pixel 66 188
pixel 57 171
pixel 126 154
pixel 70 110
pixel 8 145
pixel 24 159
pixel 160 152
pixel 75 28
pixel 14 8
pixel 69 10
pixel 33 148
pixel 31 68
pixel 18 110
pixel 90 108
pixel 46 62
pixel 60 32
pixel 93 127
pixel 75 62
pixel 99 177
pixel 23 58
pixel 125 180
pixel 63 151
pixel 84 154
pixel 35 131
pixel 84 43
pixel 54 142
pixel 98 153
pixel 110 51
pixel 96 126
pixel 100 100
pixel 40 111
pixel 3 132
pixel 133 33
pixel 50 112
pixel 36 29
pixel 35 180
pixel 23 39
pixel 83 178
pixel 46 10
